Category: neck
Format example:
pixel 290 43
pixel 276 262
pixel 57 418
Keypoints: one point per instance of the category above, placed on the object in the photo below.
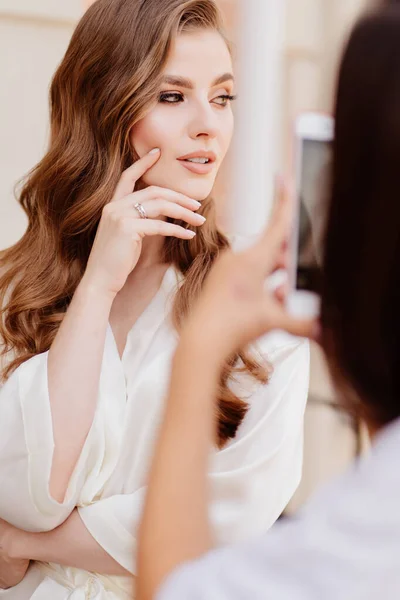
pixel 150 267
pixel 152 252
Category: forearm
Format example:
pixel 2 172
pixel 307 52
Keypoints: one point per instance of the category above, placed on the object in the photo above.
pixel 70 545
pixel 74 366
pixel 175 525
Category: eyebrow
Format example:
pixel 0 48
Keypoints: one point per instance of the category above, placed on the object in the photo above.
pixel 187 83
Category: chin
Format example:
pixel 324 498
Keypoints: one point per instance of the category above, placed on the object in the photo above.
pixel 197 188
pixel 199 193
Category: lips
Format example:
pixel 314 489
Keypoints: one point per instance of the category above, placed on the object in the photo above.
pixel 199 168
pixel 211 156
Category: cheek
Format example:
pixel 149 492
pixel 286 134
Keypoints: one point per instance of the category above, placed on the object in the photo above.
pixel 144 136
pixel 154 131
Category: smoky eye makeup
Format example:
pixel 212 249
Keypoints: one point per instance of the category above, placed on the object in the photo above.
pixel 170 97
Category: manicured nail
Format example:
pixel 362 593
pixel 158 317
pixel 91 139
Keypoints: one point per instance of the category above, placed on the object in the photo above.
pixel 198 204
pixel 155 151
pixel 203 218
pixel 192 233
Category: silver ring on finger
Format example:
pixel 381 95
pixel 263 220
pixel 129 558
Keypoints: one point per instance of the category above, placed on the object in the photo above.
pixel 140 210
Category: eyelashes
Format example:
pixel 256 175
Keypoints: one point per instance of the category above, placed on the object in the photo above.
pixel 177 98
pixel 171 97
pixel 227 98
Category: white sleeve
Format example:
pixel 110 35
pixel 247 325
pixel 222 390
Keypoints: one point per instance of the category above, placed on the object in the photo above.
pixel 27 444
pixel 26 452
pixel 252 479
pixel 113 522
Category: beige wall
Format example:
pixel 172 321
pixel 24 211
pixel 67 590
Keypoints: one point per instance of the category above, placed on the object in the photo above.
pixel 316 31
pixel 47 9
pixel 33 38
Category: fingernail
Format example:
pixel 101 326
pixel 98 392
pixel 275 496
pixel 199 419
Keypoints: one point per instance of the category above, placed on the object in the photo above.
pixel 192 233
pixel 197 204
pixel 203 218
pixel 155 151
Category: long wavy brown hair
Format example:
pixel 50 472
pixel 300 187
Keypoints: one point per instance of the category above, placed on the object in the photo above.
pixel 107 81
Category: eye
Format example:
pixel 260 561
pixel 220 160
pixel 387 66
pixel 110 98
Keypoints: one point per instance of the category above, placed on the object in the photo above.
pixel 171 97
pixel 224 99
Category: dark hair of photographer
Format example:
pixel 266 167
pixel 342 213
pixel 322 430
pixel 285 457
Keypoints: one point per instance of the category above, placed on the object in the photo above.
pixel 361 292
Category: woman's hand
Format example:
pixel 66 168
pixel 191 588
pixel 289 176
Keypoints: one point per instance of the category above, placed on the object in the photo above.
pixel 235 307
pixel 12 570
pixel 118 242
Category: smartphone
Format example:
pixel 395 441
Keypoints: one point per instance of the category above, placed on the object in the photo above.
pixel 313 143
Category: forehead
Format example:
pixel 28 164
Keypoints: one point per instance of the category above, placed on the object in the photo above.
pixel 200 55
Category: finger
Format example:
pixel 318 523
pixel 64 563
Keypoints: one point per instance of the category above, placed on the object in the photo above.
pixel 128 180
pixel 284 194
pixel 153 227
pixel 267 248
pixel 282 320
pixel 299 327
pixel 157 208
pixel 276 232
pixel 281 293
pixel 282 259
pixel 159 193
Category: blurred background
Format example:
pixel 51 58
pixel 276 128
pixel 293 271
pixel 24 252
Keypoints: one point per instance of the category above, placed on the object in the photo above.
pixel 33 37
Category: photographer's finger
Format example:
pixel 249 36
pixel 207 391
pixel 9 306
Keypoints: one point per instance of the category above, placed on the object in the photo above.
pixel 129 177
pixel 276 231
pixel 298 327
pixel 154 227
pixel 267 249
pixel 281 293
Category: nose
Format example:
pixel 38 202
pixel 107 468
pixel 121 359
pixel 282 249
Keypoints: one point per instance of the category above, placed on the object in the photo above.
pixel 204 122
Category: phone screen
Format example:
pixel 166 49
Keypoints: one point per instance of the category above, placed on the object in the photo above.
pixel 315 169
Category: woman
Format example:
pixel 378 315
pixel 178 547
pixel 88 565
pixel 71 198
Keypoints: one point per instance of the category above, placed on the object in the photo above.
pixel 346 543
pixel 96 294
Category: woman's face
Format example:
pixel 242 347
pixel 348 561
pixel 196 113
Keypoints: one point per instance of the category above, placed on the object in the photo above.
pixel 193 117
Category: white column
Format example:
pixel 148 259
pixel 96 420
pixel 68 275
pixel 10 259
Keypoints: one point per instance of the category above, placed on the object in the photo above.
pixel 256 151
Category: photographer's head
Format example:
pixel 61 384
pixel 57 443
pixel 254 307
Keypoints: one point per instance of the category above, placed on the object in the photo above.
pixel 361 296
